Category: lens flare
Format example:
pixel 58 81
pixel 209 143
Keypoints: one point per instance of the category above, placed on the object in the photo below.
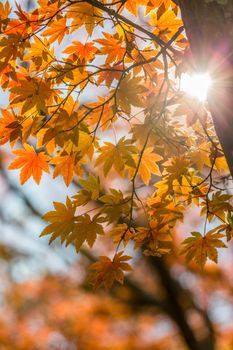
pixel 196 85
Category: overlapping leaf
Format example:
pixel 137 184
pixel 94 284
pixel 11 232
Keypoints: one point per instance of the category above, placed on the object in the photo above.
pixel 199 248
pixel 70 228
pixel 107 270
pixel 117 156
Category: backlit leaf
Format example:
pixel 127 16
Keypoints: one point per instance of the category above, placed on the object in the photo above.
pixel 107 270
pixel 31 163
pixel 199 248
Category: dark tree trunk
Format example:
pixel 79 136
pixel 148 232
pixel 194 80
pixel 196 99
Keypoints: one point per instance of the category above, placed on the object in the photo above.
pixel 179 301
pixel 209 28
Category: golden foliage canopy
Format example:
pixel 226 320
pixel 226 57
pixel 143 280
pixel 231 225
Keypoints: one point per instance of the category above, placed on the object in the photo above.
pixel 94 98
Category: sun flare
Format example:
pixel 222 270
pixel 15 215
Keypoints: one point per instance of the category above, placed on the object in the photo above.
pixel 196 85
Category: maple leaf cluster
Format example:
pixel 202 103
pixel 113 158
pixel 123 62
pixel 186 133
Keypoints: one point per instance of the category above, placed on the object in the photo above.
pixel 164 148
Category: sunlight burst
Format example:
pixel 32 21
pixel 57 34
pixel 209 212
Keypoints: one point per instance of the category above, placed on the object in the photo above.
pixel 196 85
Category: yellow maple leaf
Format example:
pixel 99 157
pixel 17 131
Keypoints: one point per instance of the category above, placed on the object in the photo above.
pixel 86 229
pixel 156 239
pixel 201 156
pixel 132 6
pixel 39 52
pixel 109 73
pixel 31 93
pixel 116 205
pixel 122 232
pixel 129 93
pixel 102 113
pixel 200 247
pixel 107 270
pixel 117 156
pixel 70 228
pixel 218 206
pixel 168 22
pixel 152 4
pixel 148 164
pixel 61 221
pixel 84 14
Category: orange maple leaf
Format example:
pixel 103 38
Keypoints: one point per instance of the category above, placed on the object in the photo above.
pixel 5 10
pixel 85 52
pixel 153 4
pixel 112 47
pixel 9 127
pixel 57 30
pixel 148 165
pixel 31 162
pixel 111 73
pixel 66 165
pixel 131 6
pixel 102 115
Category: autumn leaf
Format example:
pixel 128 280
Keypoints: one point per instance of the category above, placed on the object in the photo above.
pixel 102 113
pixel 10 129
pixel 117 156
pixel 48 9
pixel 61 221
pixel 107 270
pixel 229 232
pixel 109 73
pixel 70 228
pixel 85 52
pixel 32 163
pixel 40 53
pixel 31 93
pixel 86 229
pixel 168 22
pixel 153 4
pixel 169 210
pixel 66 165
pixel 147 164
pixel 129 93
pixel 201 156
pixel 122 233
pixel 218 206
pixel 155 239
pixel 132 6
pixel 221 165
pixel 115 205
pixel 112 47
pixel 199 248
pixel 57 30
pixel 5 10
pixel 84 14
pixel 92 185
pixel 90 190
